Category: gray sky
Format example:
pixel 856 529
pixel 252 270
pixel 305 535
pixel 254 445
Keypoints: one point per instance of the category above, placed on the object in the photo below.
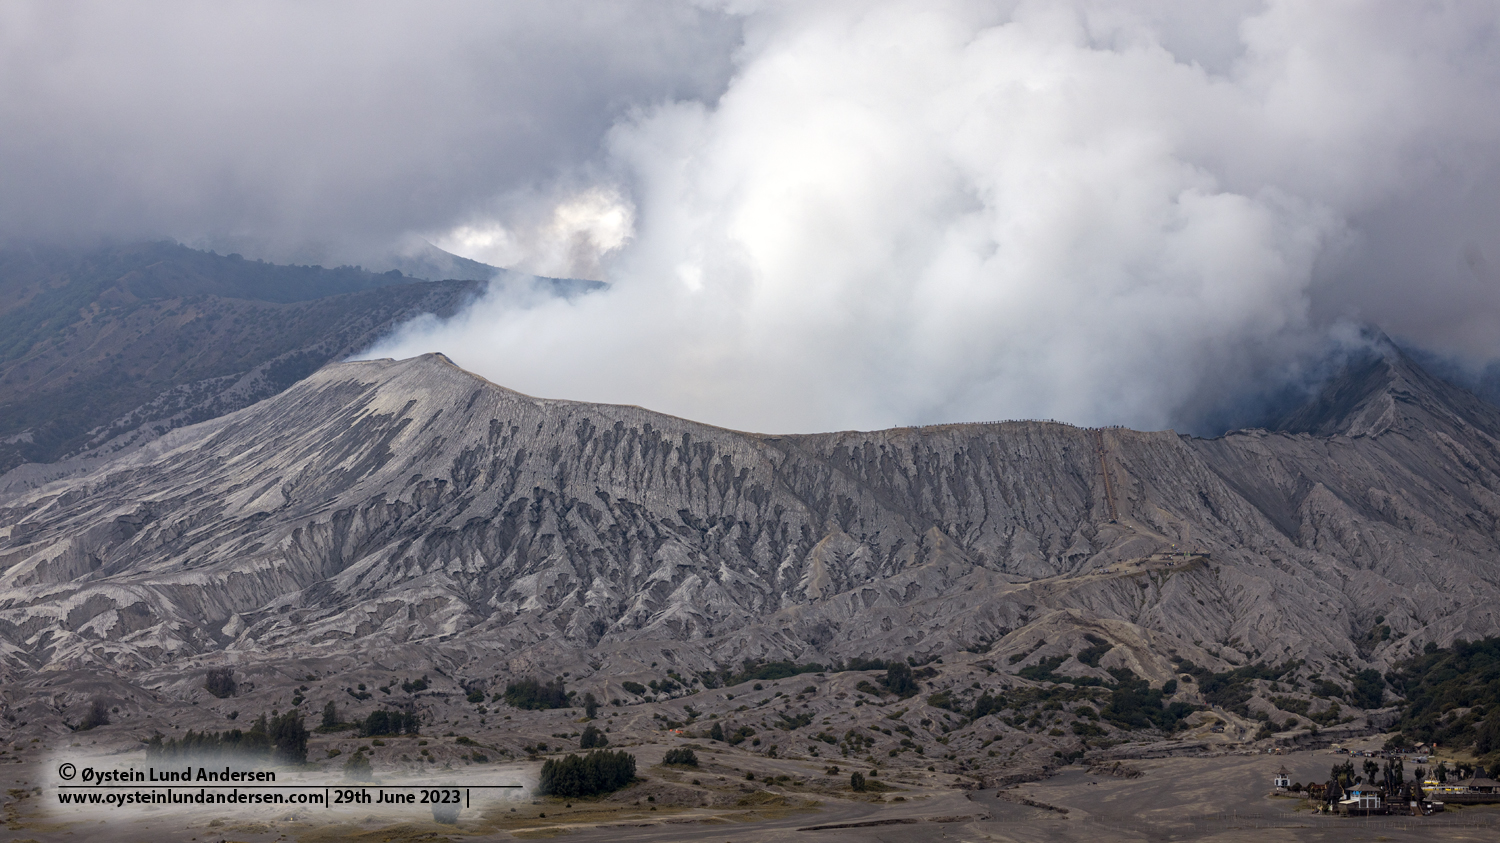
pixel 816 215
pixel 294 121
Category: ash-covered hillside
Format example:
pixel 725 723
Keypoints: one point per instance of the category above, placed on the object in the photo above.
pixel 412 509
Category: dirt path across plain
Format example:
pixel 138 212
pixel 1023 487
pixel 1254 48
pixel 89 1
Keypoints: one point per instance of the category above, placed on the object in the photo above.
pixel 1223 799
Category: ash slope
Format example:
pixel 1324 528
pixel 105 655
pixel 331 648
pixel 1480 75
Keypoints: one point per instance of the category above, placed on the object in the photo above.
pixel 415 512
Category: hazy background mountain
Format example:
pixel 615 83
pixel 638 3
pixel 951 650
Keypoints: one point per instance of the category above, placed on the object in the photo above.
pixel 414 257
pixel 119 343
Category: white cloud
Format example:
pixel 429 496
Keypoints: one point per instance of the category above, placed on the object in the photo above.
pixel 915 212
pixel 570 241
pixel 814 215
pixel 339 123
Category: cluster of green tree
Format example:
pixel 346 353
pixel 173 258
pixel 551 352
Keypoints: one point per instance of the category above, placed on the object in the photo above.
pixel 330 721
pixel 1378 633
pixel 899 679
pixel 1231 689
pixel 594 774
pixel 390 723
pixel 1343 774
pixel 663 686
pixel 1292 704
pixel 283 738
pixel 592 738
pixel 537 696
pixel 680 756
pixel 411 686
pixel 1134 704
pixel 1017 699
pixel 1367 689
pixel 1453 696
pixel 1095 651
pixel 357 768
pixel 986 705
pixel 1042 671
pixel 788 724
pixel 858 782
pixel 1329 716
pixel 752 670
pixel 220 682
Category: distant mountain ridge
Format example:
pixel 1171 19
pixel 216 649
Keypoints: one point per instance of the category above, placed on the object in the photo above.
pixel 95 344
pixel 414 257
pixel 1381 390
pixel 119 344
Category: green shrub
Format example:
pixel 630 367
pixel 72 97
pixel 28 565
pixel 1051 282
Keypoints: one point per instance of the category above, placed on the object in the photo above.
pixel 943 699
pixel 987 704
pixel 357 768
pixel 592 738
pixel 788 724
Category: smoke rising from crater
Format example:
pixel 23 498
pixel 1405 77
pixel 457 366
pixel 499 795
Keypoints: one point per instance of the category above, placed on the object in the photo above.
pixel 817 215
pixel 1104 213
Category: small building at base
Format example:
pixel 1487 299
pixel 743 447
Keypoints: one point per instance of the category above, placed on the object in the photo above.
pixel 1473 791
pixel 1362 799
